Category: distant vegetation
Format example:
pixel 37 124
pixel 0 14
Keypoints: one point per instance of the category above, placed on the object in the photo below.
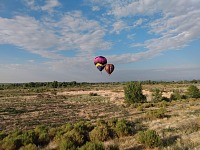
pixel 56 84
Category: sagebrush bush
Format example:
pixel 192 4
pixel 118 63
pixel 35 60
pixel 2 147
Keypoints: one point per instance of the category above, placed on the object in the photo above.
pixel 12 141
pixel 154 114
pixel 122 128
pixel 133 93
pixel 42 135
pixel 157 95
pixel 193 92
pixel 140 108
pixel 149 138
pixel 176 95
pixel 29 147
pixel 66 143
pixel 2 135
pixel 92 146
pixel 100 133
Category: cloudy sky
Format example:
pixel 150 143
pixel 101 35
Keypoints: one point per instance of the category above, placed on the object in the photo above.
pixel 48 40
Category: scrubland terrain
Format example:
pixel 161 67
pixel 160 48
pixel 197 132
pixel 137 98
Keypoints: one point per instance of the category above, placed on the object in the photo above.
pixel 176 122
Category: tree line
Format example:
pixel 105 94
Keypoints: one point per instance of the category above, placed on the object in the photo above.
pixel 57 84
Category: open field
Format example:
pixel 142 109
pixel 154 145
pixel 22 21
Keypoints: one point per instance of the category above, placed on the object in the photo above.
pixel 179 127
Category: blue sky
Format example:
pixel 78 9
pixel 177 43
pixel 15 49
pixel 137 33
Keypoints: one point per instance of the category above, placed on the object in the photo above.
pixel 47 40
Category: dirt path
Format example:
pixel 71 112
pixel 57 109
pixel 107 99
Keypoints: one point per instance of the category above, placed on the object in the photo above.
pixel 115 97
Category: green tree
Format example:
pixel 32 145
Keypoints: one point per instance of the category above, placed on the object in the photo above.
pixel 133 93
pixel 193 92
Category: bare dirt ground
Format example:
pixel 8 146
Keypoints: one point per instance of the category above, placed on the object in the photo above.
pixel 114 97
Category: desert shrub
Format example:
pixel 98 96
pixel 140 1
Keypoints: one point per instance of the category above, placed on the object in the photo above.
pixel 135 105
pixel 11 144
pixel 29 147
pixel 112 147
pixel 112 122
pixel 122 128
pixel 76 137
pixel 177 96
pixel 52 133
pixel 154 114
pixel 162 104
pixel 193 92
pixel 12 141
pixel 79 134
pixel 66 144
pixel 100 133
pixel 148 105
pixel 28 137
pixel 42 135
pixel 140 108
pixel 149 138
pixel 92 146
pixel 157 95
pixel 2 135
pixel 133 93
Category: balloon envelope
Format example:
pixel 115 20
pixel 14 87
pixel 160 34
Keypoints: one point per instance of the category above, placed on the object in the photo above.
pixel 109 68
pixel 100 62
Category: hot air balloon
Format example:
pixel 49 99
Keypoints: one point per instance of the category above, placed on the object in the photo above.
pixel 100 62
pixel 109 68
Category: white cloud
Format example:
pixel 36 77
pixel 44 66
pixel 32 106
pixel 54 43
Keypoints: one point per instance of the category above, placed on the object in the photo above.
pixel 95 8
pixel 47 37
pixel 29 34
pixel 81 33
pixel 119 26
pixel 31 4
pixel 138 22
pixel 176 25
pixel 49 5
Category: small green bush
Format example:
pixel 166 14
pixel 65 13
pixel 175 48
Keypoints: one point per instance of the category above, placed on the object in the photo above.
pixel 193 92
pixel 12 141
pixel 122 128
pixel 157 95
pixel 140 108
pixel 29 147
pixel 66 144
pixel 42 135
pixel 92 146
pixel 100 133
pixel 2 135
pixel 154 114
pixel 28 137
pixel 149 138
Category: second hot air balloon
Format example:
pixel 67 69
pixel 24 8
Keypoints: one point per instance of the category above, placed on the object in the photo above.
pixel 109 68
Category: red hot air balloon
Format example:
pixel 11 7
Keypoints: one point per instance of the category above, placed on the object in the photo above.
pixel 109 68
pixel 100 62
